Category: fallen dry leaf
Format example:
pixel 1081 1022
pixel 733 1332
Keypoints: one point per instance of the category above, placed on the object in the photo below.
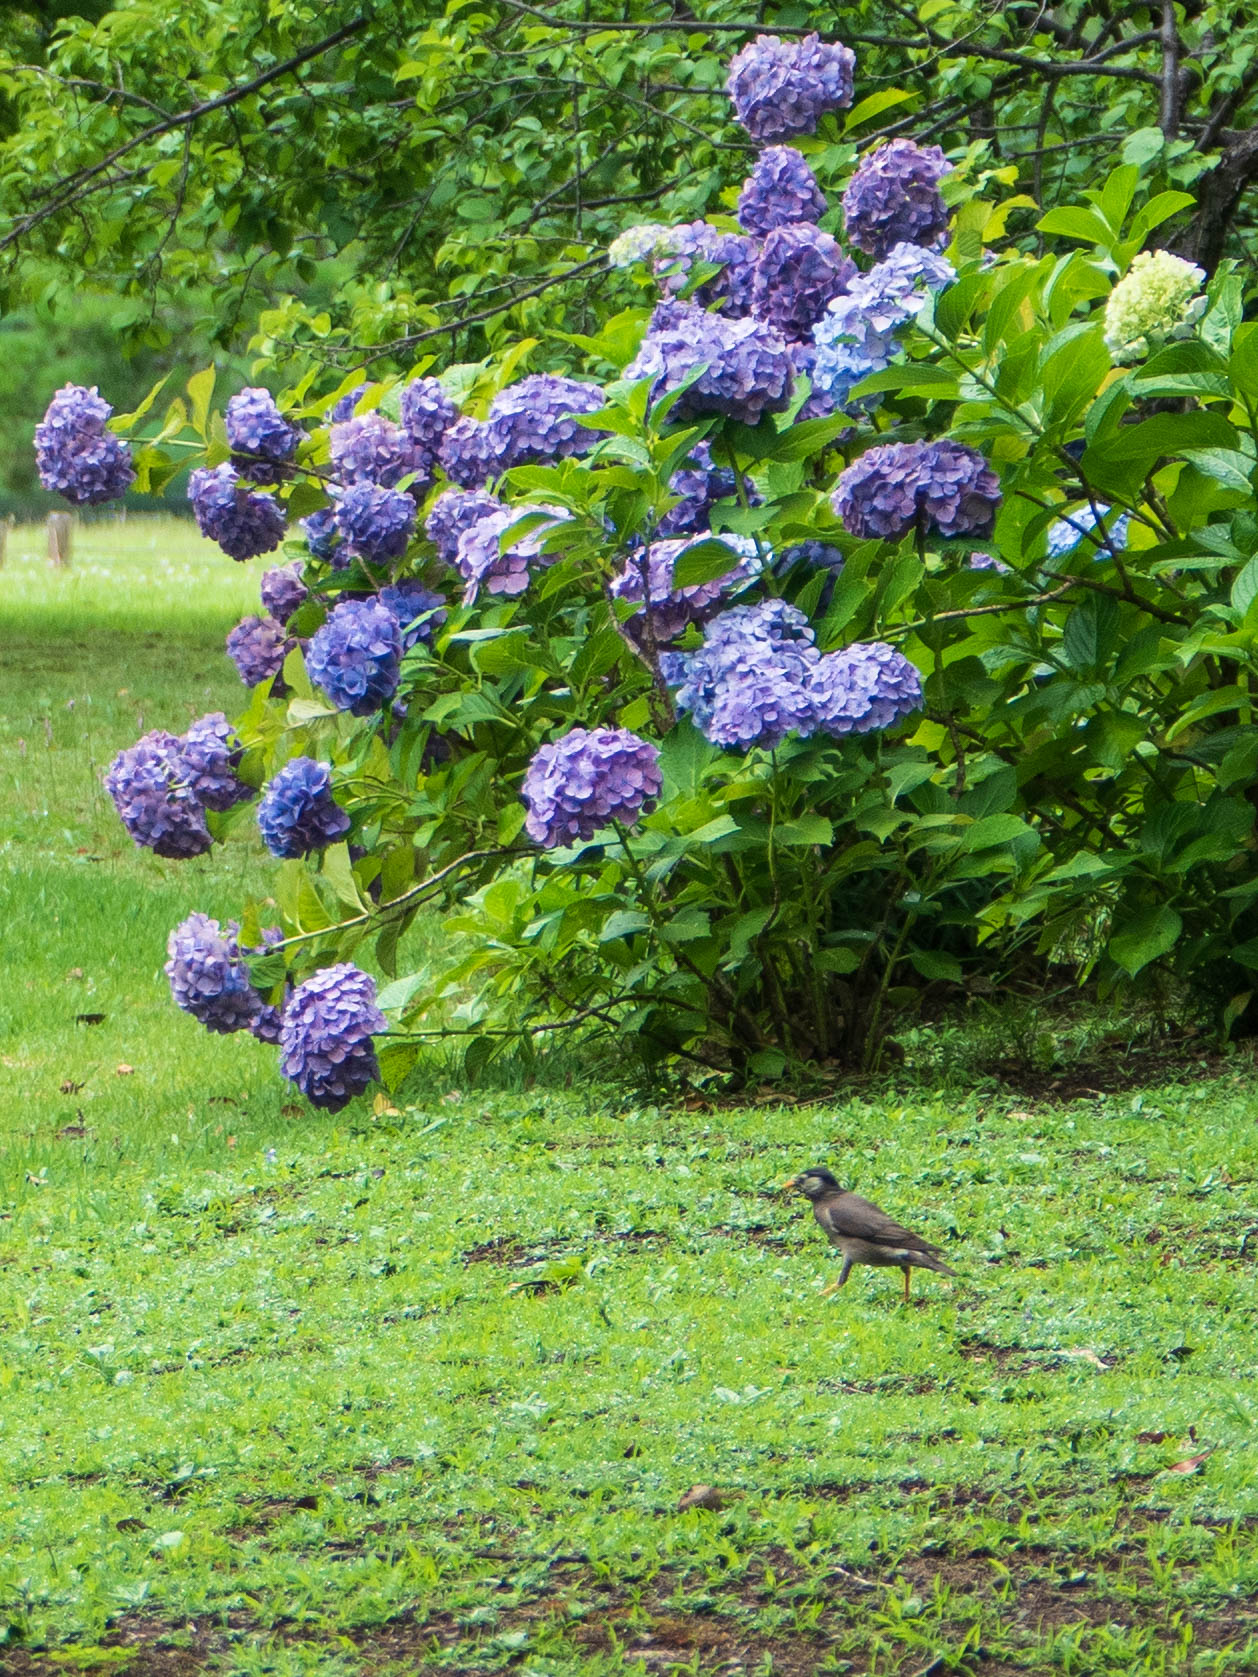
pixel 1022 1115
pixel 122 1069
pixel 70 1087
pixel 1152 1437
pixel 1085 1355
pixel 71 1132
pixel 1190 1464
pixel 701 1496
pixel 131 1524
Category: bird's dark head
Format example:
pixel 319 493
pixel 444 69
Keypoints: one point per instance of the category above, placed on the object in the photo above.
pixel 814 1183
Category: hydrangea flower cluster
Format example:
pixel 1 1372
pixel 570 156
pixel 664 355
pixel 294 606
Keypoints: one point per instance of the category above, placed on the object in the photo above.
pixel 163 784
pixel 944 487
pixel 700 484
pixel 262 441
pixel 427 414
pixel 746 366
pixel 355 656
pixel 800 269
pixel 534 421
pixel 483 562
pixel 1158 298
pixel 326 1045
pixel 668 607
pixel 243 522
pixel 728 291
pixel 211 755
pixel 322 536
pixel 283 590
pixel 588 779
pixel 344 407
pixel 258 647
pixel 76 456
pixel 1066 534
pixel 373 523
pixel 638 244
pixel 454 511
pixel 298 813
pixel 781 87
pixel 372 449
pixel 865 688
pixel 416 610
pixel 893 198
pixel 781 190
pixel 209 978
pixel 857 334
pixel 987 562
pixel 463 456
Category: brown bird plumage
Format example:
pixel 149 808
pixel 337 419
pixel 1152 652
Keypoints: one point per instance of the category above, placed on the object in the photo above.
pixel 863 1232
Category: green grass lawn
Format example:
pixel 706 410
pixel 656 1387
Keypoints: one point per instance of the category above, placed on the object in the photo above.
pixel 425 1390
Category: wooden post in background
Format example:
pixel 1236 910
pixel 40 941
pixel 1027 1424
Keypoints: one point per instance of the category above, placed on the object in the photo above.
pixel 60 539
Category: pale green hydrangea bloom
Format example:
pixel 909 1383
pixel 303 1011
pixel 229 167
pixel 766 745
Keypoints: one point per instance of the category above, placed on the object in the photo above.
pixel 639 244
pixel 1158 299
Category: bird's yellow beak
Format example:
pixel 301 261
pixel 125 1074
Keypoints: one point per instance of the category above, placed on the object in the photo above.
pixel 791 1182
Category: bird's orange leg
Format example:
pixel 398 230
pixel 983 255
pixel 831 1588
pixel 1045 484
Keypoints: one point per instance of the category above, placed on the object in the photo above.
pixel 907 1273
pixel 836 1284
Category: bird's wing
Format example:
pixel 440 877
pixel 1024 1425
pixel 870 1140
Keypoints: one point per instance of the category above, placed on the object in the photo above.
pixel 851 1217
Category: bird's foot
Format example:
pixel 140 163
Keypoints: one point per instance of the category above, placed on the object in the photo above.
pixel 828 1292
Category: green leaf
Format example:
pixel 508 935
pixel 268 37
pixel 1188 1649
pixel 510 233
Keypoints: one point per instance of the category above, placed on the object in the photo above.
pixel 200 388
pixel 703 562
pixel 806 830
pixel 1147 938
pixel 625 922
pixel 1091 634
pixel 935 964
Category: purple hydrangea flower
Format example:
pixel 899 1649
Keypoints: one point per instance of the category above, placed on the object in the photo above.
pixel 701 484
pixel 326 1045
pixel 481 559
pixel 211 755
pixel 76 456
pixel 208 977
pixel 148 783
pixel 945 487
pixel 781 87
pixel 856 336
pixel 263 443
pixel 266 1024
pixel 454 511
pixel 749 684
pixel 372 449
pixel 586 780
pixel 323 538
pixel 354 657
pixel 533 421
pixel 411 600
pixel 462 456
pixel 729 291
pixel 243 522
pixel 893 197
pixel 283 590
pixel 298 813
pixel 821 556
pixel 1067 533
pixel 818 404
pixel 779 192
pixel 374 523
pixel 799 271
pixel 987 562
pixel 746 365
pixel 670 608
pixel 345 405
pixel 258 647
pixel 866 687
pixel 427 414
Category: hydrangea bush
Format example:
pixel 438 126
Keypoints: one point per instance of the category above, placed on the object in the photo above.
pixel 849 621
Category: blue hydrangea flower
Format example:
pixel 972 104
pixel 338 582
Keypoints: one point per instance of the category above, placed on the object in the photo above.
pixel 283 590
pixel 865 688
pixel 1066 534
pixel 669 608
pixel 76 456
pixel 208 977
pixel 728 291
pixel 454 511
pixel 585 781
pixel 857 334
pixel 483 562
pixel 701 484
pixel 749 683
pixel 345 405
pixel 148 783
pixel 642 243
pixel 409 602
pixel 780 88
pixel 243 522
pixel 946 487
pixel 258 647
pixel 893 197
pixel 355 656
pixel 779 192
pixel 323 538
pixel 326 1045
pixel 372 449
pixel 533 421
pixel 799 271
pixel 262 441
pixel 298 813
pixel 462 456
pixel 374 523
pixel 987 562
pixel 427 414
pixel 821 556
pixel 746 365
pixel 211 755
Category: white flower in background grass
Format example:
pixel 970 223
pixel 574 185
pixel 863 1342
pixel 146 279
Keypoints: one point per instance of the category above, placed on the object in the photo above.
pixel 1159 298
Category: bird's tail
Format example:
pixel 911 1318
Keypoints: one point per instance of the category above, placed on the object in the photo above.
pixel 932 1260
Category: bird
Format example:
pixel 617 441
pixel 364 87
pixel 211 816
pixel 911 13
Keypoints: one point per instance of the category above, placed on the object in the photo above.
pixel 863 1232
